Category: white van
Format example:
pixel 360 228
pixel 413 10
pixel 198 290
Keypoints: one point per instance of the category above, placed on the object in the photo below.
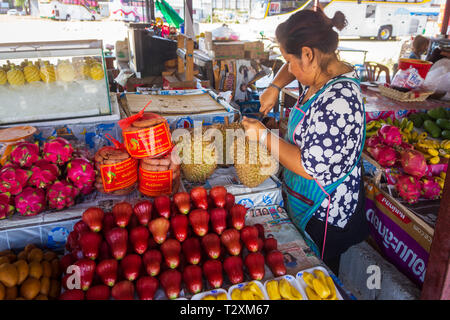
pixel 62 11
pixel 370 18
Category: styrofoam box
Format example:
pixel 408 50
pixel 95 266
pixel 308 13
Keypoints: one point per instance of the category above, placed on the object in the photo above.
pixel 292 281
pixel 267 193
pixel 241 285
pixel 302 283
pixel 215 292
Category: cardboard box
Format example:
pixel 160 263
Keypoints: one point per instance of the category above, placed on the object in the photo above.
pixel 257 55
pixel 257 46
pixel 403 237
pixel 228 50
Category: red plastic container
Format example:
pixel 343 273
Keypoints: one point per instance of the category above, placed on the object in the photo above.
pixel 422 66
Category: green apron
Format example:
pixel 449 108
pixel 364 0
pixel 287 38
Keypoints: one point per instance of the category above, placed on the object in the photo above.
pixel 304 196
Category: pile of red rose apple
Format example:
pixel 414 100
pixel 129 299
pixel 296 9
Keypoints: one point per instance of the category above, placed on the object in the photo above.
pixel 169 243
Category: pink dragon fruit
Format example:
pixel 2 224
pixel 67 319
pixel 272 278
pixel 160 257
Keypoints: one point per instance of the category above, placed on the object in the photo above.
pixel 430 189
pixel 387 156
pixel 30 201
pixel 6 209
pixel 372 141
pixel 61 194
pixel 24 154
pixel 390 135
pixel 13 179
pixel 408 188
pixel 82 174
pixel 43 174
pixel 414 163
pixel 58 151
pixel 384 155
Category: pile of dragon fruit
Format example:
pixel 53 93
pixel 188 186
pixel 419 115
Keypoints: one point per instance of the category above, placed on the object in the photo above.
pixel 416 181
pixel 35 179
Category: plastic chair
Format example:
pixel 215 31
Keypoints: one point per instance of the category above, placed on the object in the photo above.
pixel 374 69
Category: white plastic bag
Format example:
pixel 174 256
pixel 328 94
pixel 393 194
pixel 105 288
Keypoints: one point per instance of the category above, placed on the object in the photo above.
pixel 438 78
pixel 224 33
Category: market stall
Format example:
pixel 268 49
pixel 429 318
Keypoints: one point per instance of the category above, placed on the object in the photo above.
pixel 94 185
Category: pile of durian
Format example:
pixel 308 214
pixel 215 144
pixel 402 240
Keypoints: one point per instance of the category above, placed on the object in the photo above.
pixel 64 70
pixel 203 152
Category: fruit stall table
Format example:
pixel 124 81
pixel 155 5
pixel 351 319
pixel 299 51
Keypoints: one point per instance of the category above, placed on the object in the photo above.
pixel 375 103
pixel 403 232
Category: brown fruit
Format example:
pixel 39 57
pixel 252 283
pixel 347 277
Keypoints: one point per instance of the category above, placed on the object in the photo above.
pixel 35 270
pixel 22 255
pixel 23 269
pixel 46 269
pixel 2 291
pixel 11 293
pixel 35 254
pixel 30 288
pixel 45 286
pixel 29 247
pixel 49 256
pixel 12 257
pixel 5 252
pixel 41 297
pixel 9 275
pixel 4 259
pixel 55 289
pixel 56 271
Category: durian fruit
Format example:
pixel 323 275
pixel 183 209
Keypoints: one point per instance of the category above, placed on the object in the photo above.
pixel 47 72
pixel 228 141
pixel 65 71
pixel 15 76
pixel 96 71
pixel 252 161
pixel 31 73
pixel 198 156
pixel 3 77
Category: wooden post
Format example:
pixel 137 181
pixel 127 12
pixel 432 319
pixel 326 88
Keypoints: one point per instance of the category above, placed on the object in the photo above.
pixel 445 19
pixel 180 40
pixel 437 278
pixel 189 60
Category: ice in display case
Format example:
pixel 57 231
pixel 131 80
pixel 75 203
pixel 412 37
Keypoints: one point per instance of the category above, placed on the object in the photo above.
pixel 45 81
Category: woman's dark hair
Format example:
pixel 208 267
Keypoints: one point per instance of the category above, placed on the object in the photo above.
pixel 313 29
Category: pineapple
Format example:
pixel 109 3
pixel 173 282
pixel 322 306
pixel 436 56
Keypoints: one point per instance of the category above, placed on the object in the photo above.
pixel 65 71
pixel 3 77
pixel 82 70
pixel 97 71
pixel 15 76
pixel 31 73
pixel 47 72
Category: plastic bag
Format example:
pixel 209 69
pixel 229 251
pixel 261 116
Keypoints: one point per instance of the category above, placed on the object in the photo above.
pixel 438 78
pixel 224 33
pixel 409 79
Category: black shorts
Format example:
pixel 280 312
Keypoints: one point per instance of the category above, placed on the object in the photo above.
pixel 340 239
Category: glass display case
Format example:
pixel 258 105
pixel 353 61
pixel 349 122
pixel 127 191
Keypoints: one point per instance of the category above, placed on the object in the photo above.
pixel 44 81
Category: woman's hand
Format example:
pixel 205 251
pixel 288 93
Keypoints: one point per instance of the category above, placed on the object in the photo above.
pixel 268 99
pixel 253 128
